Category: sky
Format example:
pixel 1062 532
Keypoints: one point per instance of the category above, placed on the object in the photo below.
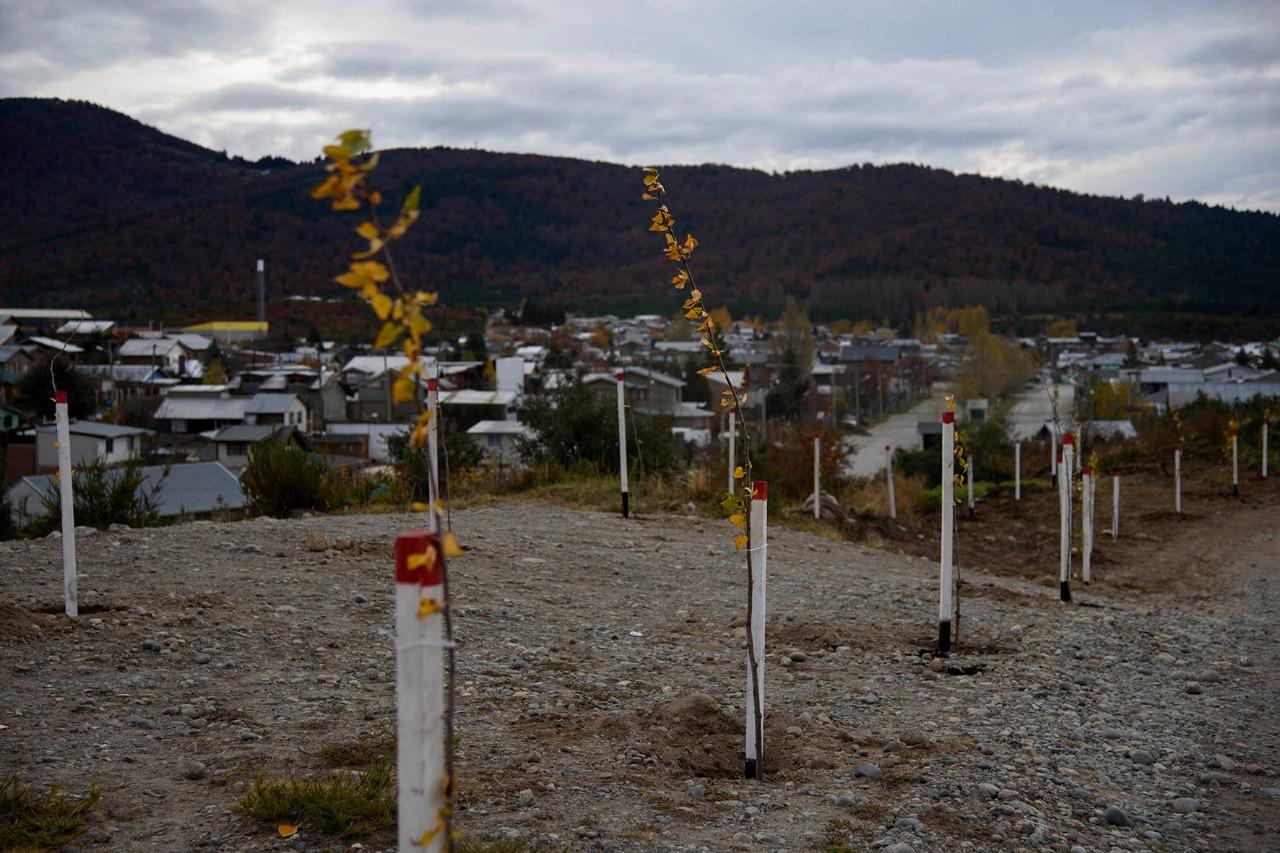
pixel 1169 98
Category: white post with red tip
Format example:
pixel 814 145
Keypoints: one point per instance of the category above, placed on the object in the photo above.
pixel 433 448
pixel 1086 521
pixel 1177 479
pixel 622 443
pixel 1115 506
pixel 1017 470
pixel 817 483
pixel 757 560
pixel 1235 463
pixel 945 605
pixel 893 503
pixel 1064 508
pixel 420 765
pixel 1264 449
pixel 70 596
pixel 733 436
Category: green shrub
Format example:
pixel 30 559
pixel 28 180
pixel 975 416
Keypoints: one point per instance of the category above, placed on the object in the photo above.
pixel 8 529
pixel 461 450
pixel 342 804
pixel 103 496
pixel 29 820
pixel 283 477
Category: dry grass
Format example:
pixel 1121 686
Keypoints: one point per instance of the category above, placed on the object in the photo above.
pixel 871 497
pixel 342 804
pixel 30 820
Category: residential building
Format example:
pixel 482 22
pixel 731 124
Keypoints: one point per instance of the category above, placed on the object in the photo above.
pixel 500 439
pixel 91 441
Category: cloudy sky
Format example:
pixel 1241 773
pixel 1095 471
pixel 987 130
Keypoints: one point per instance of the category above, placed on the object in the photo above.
pixel 1163 98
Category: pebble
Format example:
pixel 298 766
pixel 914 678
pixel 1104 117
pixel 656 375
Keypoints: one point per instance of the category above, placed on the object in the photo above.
pixel 1115 816
pixel 1186 805
pixel 697 792
pixel 1141 756
pixel 526 798
pixel 867 769
pixel 195 770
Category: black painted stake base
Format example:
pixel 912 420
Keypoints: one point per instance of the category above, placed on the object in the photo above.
pixel 1235 490
pixel 1064 590
pixel 750 771
pixel 944 637
pixel 626 506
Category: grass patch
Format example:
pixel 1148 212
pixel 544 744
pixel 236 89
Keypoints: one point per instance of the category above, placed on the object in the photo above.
pixel 34 821
pixel 342 804
pixel 505 845
pixel 364 751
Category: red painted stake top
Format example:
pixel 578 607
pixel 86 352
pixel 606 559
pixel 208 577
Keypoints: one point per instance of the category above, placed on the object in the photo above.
pixel 760 490
pixel 948 417
pixel 59 396
pixel 1085 470
pixel 433 385
pixel 431 573
pixel 619 374
pixel 1068 438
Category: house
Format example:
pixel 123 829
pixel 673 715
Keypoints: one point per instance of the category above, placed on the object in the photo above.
pixel 930 434
pixel 68 350
pixel 117 384
pixel 199 408
pixel 276 410
pixel 163 352
pixel 976 408
pixel 190 488
pixel 91 441
pixel 234 444
pixel 9 418
pixel 649 391
pixel 500 439
pixel 375 437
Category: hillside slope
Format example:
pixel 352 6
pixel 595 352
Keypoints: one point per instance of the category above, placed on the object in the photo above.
pixel 111 214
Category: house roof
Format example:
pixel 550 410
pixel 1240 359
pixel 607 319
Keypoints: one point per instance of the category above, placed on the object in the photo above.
pixel 140 373
pixel 500 428
pixel 97 429
pixel 244 433
pixel 9 351
pixel 86 327
pixel 270 404
pixel 7 332
pixel 55 344
pixel 146 347
pixel 634 375
pixel 472 397
pixel 192 487
pixel 202 408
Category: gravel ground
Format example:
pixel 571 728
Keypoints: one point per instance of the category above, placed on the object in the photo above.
pixel 601 675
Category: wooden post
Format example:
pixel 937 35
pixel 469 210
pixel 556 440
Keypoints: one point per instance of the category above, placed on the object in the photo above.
pixel 622 443
pixel 433 450
pixel 817 483
pixel 1017 470
pixel 1064 507
pixel 969 482
pixel 1086 524
pixel 893 503
pixel 70 596
pixel 733 434
pixel 757 560
pixel 1115 506
pixel 948 527
pixel 420 746
pixel 1177 479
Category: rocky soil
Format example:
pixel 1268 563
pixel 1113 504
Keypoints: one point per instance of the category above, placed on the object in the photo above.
pixel 601 679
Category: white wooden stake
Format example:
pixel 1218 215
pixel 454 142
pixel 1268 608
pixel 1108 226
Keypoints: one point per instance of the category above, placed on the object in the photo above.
pixel 757 559
pixel 1055 455
pixel 1235 464
pixel 1177 480
pixel 969 483
pixel 817 484
pixel 433 450
pixel 1086 524
pixel 893 503
pixel 945 605
pixel 622 443
pixel 1065 497
pixel 70 597
pixel 1264 450
pixel 1017 470
pixel 733 435
pixel 1115 506
pixel 420 746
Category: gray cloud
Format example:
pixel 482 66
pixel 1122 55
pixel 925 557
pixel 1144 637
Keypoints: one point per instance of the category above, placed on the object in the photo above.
pixel 1178 99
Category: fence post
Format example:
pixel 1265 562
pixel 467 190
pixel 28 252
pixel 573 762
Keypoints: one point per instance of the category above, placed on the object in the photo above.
pixel 1017 470
pixel 1264 449
pixel 433 449
pixel 622 443
pixel 969 482
pixel 1177 479
pixel 948 526
pixel 733 434
pixel 817 483
pixel 70 596
pixel 893 503
pixel 757 561
pixel 1064 507
pixel 420 765
pixel 1115 506
pixel 1055 455
pixel 1235 463
pixel 1086 524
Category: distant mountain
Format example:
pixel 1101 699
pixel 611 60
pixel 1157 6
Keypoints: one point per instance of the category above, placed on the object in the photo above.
pixel 105 213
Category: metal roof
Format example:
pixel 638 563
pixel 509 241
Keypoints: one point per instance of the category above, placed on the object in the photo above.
pixel 86 327
pixel 54 343
pixel 97 429
pixel 202 408
pixel 190 487
pixel 270 404
pixel 247 433
pixel 471 397
pixel 500 428
pixel 146 347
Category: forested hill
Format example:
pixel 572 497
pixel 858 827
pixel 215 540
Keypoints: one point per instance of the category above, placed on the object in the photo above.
pixel 105 213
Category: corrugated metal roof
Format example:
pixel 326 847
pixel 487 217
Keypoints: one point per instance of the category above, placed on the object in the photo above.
pixel 146 347
pixel 86 327
pixel 190 487
pixel 270 404
pixel 54 343
pixel 247 433
pixel 97 429
pixel 471 397
pixel 500 428
pixel 202 408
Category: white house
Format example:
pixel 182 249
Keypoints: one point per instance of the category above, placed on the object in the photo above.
pixel 276 409
pixel 91 441
pixel 500 439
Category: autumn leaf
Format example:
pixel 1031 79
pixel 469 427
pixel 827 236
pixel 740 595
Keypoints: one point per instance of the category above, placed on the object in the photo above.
pixel 287 830
pixel 428 606
pixel 740 542
pixel 412 200
pixel 389 335
pixel 452 548
pixel 404 390
pixel 418 506
pixel 739 520
pixel 708 370
pixel 738 473
pixel 381 305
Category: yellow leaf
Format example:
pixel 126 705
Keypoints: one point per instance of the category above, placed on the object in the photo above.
pixel 739 520
pixel 708 370
pixel 368 230
pixel 381 305
pixel 730 502
pixel 418 506
pixel 287 830
pixel 428 836
pixel 740 542
pixel 404 390
pixel 388 336
pixel 452 548
pixel 738 473
pixel 412 200
pixel 428 606
pixel 419 325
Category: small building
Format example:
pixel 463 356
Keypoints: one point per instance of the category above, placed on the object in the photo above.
pixel 199 408
pixel 165 353
pixel 930 434
pixel 234 444
pixel 9 418
pixel 17 359
pixel 91 441
pixel 977 410
pixel 374 436
pixel 276 410
pixel 500 439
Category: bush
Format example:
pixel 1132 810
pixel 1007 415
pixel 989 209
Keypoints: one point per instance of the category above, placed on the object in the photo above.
pixel 35 391
pixel 34 821
pixel 571 427
pixel 788 463
pixel 8 529
pixel 461 450
pixel 342 805
pixel 103 496
pixel 283 477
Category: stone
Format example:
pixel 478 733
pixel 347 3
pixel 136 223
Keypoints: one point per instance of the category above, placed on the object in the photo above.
pixel 914 737
pixel 1115 816
pixel 1224 763
pixel 1186 805
pixel 988 790
pixel 1209 676
pixel 195 770
pixel 846 800
pixel 526 798
pixel 867 769
pixel 1141 756
pixel 201 657
pixel 1194 688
